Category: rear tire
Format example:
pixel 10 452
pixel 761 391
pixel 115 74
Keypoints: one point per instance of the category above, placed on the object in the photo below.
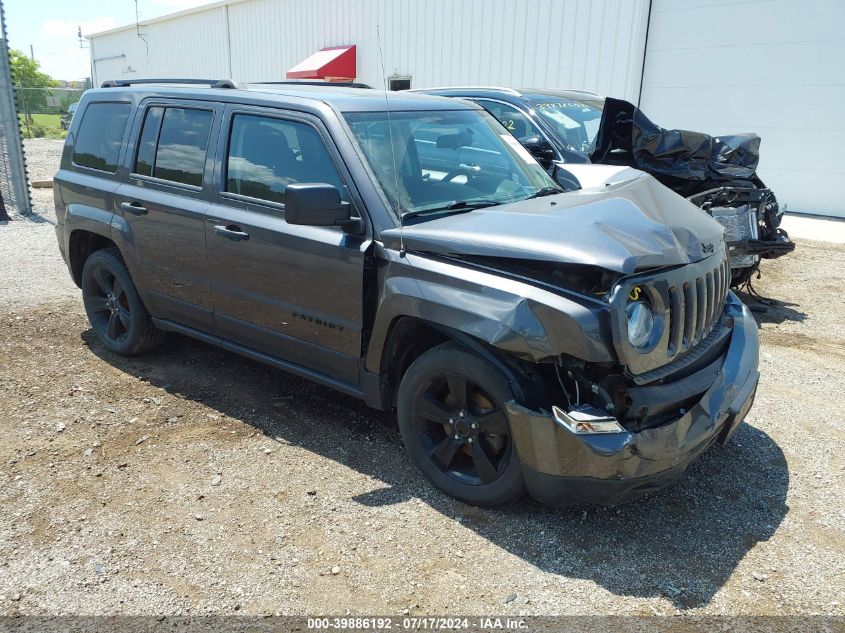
pixel 452 418
pixel 116 313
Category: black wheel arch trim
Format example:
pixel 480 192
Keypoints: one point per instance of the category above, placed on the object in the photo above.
pixel 109 226
pixel 379 392
pixel 521 320
pixel 519 389
pixel 91 221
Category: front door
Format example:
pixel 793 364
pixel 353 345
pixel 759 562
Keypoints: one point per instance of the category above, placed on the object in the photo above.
pixel 164 203
pixel 295 292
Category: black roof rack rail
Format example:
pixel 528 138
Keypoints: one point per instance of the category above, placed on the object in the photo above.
pixel 211 83
pixel 339 84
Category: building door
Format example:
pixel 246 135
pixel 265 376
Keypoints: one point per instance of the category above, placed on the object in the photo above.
pixel 774 68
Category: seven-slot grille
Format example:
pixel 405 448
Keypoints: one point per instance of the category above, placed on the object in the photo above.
pixel 687 302
pixel 695 306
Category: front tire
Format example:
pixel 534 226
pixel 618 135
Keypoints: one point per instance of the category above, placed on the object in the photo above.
pixel 116 313
pixel 452 418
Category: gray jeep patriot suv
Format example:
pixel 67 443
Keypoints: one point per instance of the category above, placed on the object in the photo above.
pixel 407 250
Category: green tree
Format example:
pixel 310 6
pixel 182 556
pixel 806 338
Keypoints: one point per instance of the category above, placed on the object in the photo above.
pixel 32 87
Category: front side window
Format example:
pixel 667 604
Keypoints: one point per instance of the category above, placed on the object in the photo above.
pixel 100 136
pixel 512 119
pixel 267 154
pixel 427 161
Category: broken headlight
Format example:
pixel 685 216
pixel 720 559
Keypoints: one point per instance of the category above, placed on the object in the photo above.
pixel 640 320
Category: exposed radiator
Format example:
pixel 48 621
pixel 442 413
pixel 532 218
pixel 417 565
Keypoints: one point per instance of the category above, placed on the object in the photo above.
pixel 740 226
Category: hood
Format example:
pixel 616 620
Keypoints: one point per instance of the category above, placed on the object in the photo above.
pixel 626 222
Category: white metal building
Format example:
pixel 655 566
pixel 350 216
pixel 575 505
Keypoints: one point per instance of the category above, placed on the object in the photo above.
pixel 775 67
pixel 768 66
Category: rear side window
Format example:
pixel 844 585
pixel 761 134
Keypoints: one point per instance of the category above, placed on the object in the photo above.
pixel 173 144
pixel 268 154
pixel 100 136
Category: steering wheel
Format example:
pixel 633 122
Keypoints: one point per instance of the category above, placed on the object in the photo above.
pixel 464 170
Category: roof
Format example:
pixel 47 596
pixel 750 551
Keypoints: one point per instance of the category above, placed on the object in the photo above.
pixel 577 95
pixel 525 93
pixel 468 88
pixel 340 99
pixel 361 99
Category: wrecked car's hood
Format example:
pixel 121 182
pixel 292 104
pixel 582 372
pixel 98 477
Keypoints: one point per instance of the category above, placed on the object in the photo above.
pixel 626 222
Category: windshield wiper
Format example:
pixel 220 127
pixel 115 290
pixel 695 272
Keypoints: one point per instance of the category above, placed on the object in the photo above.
pixel 471 204
pixel 458 205
pixel 545 191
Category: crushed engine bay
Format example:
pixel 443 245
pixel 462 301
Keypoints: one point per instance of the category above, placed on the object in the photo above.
pixel 717 174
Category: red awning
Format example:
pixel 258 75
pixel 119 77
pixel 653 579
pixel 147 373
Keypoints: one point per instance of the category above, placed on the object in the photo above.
pixel 336 62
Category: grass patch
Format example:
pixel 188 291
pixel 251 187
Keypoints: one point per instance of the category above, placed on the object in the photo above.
pixel 42 126
pixel 47 120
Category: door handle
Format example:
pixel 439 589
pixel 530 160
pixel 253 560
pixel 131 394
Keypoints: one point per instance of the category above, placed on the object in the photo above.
pixel 231 232
pixel 134 208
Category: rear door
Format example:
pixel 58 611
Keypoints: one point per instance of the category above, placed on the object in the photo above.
pixel 164 202
pixel 295 292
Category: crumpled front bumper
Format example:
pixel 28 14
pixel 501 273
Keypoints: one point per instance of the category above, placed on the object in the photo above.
pixel 771 249
pixel 563 468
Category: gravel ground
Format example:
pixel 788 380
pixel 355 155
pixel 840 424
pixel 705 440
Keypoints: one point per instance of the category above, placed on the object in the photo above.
pixel 30 243
pixel 193 481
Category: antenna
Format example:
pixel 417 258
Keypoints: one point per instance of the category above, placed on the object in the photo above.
pixel 141 37
pixel 392 148
pixel 80 37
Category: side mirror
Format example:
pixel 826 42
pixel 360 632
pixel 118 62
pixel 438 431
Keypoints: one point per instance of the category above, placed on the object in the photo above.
pixel 566 179
pixel 317 204
pixel 539 148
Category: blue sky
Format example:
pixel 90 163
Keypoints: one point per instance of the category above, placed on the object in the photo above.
pixel 50 26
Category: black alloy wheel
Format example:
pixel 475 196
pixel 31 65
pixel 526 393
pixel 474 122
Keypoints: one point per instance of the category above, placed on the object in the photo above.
pixel 116 313
pixel 465 434
pixel 109 306
pixel 451 413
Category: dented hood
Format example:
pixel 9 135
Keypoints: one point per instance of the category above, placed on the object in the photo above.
pixel 626 221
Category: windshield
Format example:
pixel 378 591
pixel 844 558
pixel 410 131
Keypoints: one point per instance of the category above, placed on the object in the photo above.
pixel 446 160
pixel 576 122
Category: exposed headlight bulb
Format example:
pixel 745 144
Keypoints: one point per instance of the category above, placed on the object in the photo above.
pixel 640 323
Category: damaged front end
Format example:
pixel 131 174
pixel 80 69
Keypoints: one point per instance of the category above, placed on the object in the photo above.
pixel 611 310
pixel 751 218
pixel 611 431
pixel 717 174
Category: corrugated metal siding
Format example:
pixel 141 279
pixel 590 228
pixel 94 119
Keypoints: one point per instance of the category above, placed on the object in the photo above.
pixel 588 44
pixel 193 46
pixel 773 67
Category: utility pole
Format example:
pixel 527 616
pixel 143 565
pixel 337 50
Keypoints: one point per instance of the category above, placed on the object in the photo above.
pixel 31 52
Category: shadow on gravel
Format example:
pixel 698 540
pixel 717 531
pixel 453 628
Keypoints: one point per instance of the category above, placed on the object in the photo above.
pixel 682 543
pixel 767 310
pixel 33 218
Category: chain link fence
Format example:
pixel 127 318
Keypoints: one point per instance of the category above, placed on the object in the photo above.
pixel 14 185
pixel 45 112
